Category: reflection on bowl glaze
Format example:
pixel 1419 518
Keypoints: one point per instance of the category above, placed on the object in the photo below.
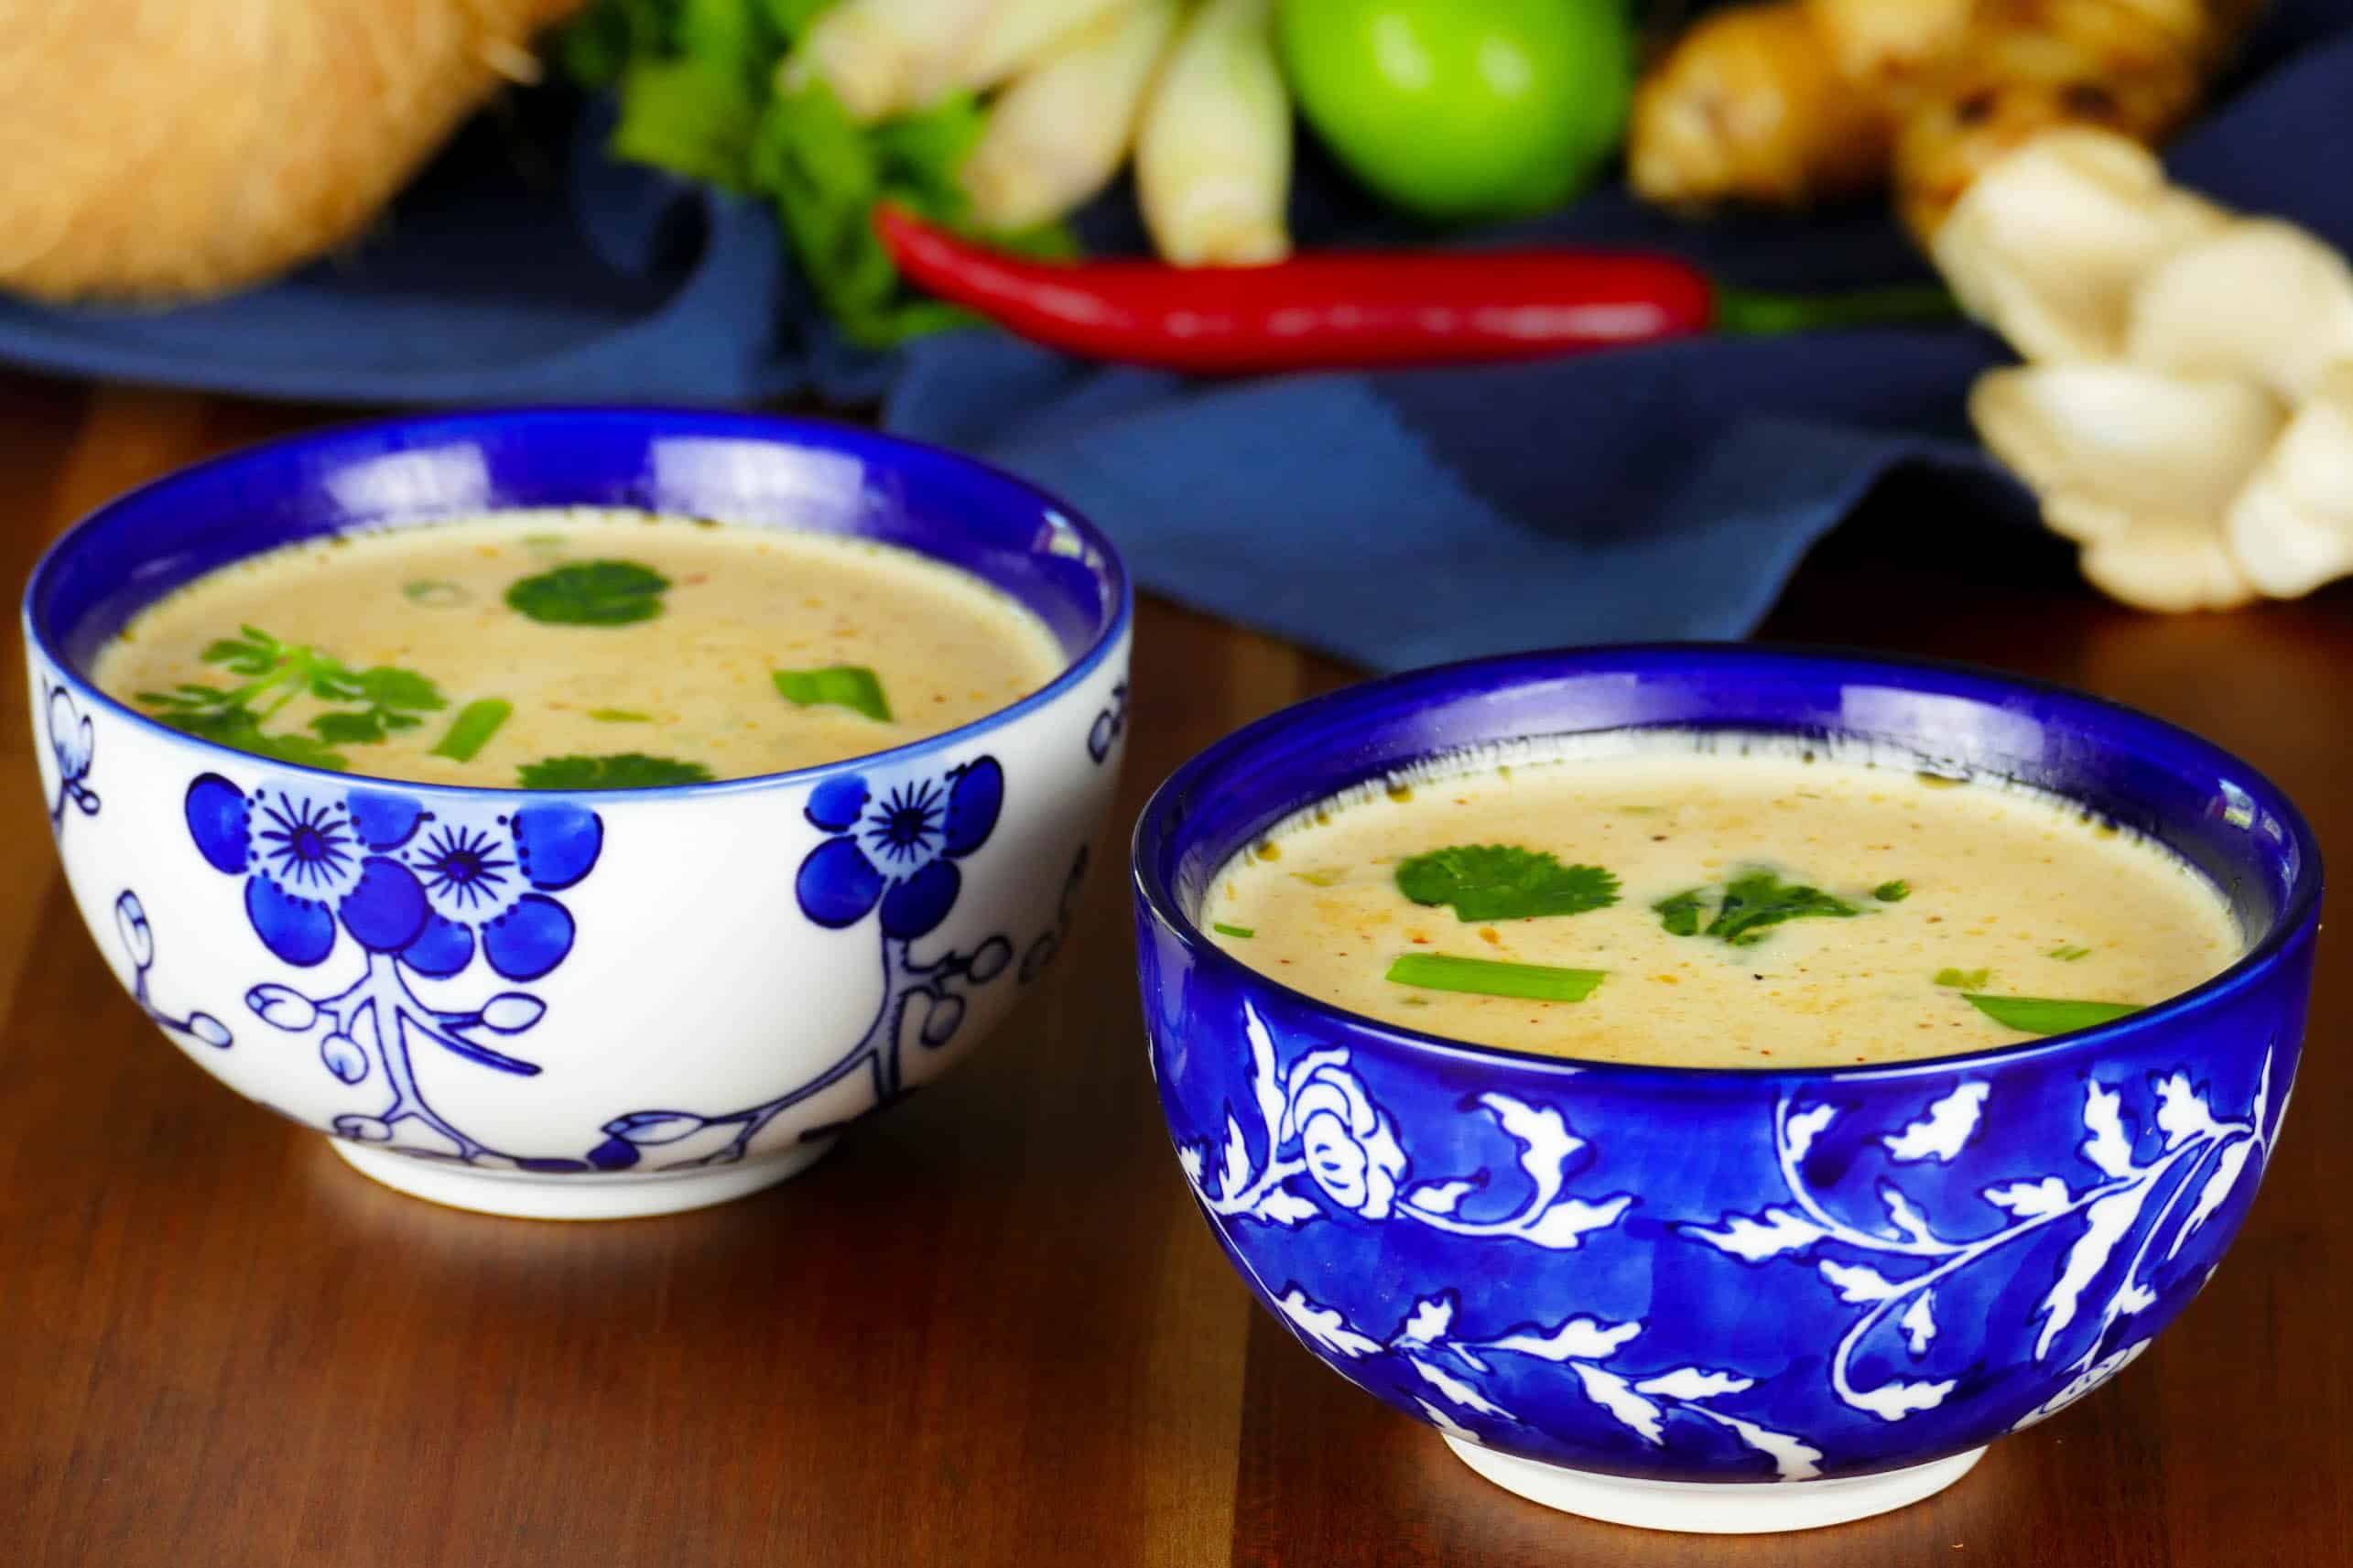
pixel 579 1005
pixel 1637 1293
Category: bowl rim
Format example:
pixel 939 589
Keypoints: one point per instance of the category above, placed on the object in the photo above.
pixel 651 418
pixel 1156 823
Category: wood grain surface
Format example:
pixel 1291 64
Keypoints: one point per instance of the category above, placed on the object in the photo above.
pixel 991 1329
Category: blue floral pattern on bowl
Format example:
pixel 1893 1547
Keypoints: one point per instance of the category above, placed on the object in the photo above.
pixel 1717 1276
pixel 418 892
pixel 891 849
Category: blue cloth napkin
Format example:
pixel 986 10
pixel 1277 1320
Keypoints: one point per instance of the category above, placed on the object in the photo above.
pixel 1394 518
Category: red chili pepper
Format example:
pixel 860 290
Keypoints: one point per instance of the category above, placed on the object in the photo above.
pixel 1358 309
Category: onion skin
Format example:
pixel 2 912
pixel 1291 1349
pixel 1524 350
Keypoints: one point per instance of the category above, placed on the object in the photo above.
pixel 164 150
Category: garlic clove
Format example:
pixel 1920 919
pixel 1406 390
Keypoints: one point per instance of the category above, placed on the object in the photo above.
pixel 2257 299
pixel 2291 528
pixel 2173 564
pixel 2047 245
pixel 2105 445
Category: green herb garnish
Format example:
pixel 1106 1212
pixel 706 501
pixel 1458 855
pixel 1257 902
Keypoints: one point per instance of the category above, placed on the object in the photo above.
pixel 626 770
pixel 853 687
pixel 372 702
pixel 2069 954
pixel 619 716
pixel 1963 980
pixel 2047 1015
pixel 590 593
pixel 1500 881
pixel 700 95
pixel 1752 902
pixel 1222 929
pixel 1680 915
pixel 435 594
pixel 1893 892
pixel 1492 976
pixel 471 730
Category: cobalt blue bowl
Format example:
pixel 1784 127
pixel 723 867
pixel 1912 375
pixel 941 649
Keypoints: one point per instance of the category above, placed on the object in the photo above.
pixel 1636 1292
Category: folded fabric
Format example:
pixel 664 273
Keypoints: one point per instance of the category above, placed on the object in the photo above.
pixel 1394 518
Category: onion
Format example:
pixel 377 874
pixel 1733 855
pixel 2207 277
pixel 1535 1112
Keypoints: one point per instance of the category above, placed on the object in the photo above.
pixel 165 149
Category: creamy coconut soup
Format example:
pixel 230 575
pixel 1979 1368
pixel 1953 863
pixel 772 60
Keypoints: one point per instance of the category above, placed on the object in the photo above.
pixel 578 649
pixel 1725 903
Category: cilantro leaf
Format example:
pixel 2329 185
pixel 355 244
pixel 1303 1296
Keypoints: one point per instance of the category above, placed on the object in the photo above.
pixel 2046 1015
pixel 625 770
pixel 1495 977
pixel 1760 899
pixel 1752 902
pixel 853 687
pixel 1502 882
pixel 1680 915
pixel 239 729
pixel 590 593
pixel 279 672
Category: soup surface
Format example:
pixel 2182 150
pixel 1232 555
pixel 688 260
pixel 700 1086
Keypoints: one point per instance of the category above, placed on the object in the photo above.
pixel 1719 902
pixel 578 649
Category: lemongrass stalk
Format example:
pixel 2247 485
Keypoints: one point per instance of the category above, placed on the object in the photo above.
pixel 1059 133
pixel 1020 35
pixel 884 57
pixel 1213 154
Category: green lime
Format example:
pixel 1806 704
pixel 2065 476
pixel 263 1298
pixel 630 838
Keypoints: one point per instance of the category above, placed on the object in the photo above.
pixel 1461 108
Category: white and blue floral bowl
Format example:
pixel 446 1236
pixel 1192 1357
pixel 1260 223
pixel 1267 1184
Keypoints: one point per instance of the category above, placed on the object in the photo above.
pixel 1645 1294
pixel 579 1005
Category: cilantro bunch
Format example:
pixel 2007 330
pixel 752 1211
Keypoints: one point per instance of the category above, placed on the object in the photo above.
pixel 697 85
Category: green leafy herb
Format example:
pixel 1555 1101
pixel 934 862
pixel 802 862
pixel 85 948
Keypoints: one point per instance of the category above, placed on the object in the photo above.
pixel 1492 976
pixel 1752 902
pixel 1500 881
pixel 1680 915
pixel 853 687
pixel 371 703
pixel 1893 892
pixel 626 770
pixel 471 730
pixel 698 86
pixel 590 593
pixel 434 594
pixel 619 716
pixel 2069 954
pixel 1963 980
pixel 1222 929
pixel 2046 1015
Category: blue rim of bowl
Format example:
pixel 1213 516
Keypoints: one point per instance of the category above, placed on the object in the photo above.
pixel 795 431
pixel 1153 832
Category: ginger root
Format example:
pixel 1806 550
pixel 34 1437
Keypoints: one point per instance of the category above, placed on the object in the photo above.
pixel 1798 101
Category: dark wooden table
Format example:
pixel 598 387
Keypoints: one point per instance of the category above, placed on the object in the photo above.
pixel 991 1329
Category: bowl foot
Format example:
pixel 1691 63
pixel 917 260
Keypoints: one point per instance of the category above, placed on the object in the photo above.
pixel 582 1195
pixel 1736 1507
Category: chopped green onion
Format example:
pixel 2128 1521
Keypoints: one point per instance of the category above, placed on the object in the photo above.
pixel 853 687
pixel 1893 892
pixel 619 716
pixel 1963 980
pixel 2047 1015
pixel 1222 929
pixel 2069 954
pixel 471 730
pixel 1491 977
pixel 435 594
